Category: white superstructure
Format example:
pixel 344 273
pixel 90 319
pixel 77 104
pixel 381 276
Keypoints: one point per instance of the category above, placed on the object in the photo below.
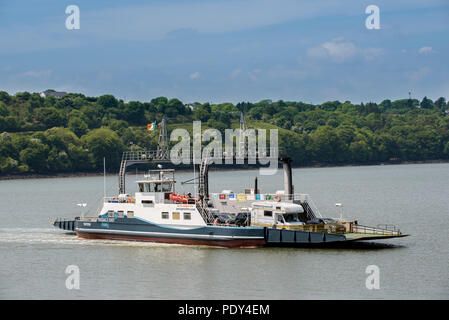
pixel 154 202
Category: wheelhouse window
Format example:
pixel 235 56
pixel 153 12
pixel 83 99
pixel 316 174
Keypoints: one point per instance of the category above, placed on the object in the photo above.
pixel 130 214
pixel 166 187
pixel 176 215
pixel 120 214
pixel 111 214
pixel 146 187
pixel 187 216
pixel 164 215
pixel 291 217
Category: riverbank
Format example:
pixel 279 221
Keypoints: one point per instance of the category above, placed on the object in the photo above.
pixel 215 168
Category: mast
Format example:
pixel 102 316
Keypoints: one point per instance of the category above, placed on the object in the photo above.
pixel 104 176
pixel 162 146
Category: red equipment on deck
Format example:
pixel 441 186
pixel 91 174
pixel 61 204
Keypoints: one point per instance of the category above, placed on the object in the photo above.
pixel 181 198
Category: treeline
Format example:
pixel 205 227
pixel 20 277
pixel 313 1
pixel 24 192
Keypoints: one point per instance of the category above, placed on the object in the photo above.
pixel 74 132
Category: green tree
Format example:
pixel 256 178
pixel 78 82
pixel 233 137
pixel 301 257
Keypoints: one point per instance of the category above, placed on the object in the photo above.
pixel 49 116
pixel 8 165
pixel 78 126
pixel 103 142
pixel 135 112
pixel 35 156
pixel 107 101
pixel 5 97
pixel 79 158
pixel 58 161
pixel 3 109
pixel 440 103
pixel 426 103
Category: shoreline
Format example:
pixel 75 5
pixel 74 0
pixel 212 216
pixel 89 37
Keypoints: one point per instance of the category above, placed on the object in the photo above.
pixel 252 167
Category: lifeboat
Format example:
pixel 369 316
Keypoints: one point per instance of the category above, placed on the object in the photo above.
pixel 181 198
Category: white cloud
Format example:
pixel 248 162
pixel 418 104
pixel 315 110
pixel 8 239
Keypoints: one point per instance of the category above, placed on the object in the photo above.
pixel 339 50
pixel 235 73
pixel 425 50
pixel 195 75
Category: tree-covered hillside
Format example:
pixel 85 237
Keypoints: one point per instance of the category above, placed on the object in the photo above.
pixel 74 132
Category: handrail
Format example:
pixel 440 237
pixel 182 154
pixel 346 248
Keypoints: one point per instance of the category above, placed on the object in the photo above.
pixel 308 199
pixel 390 227
pixel 119 199
pixel 356 228
pixel 139 155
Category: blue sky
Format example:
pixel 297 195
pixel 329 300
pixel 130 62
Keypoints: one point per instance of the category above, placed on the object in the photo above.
pixel 227 51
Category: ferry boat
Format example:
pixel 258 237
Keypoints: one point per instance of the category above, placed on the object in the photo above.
pixel 156 213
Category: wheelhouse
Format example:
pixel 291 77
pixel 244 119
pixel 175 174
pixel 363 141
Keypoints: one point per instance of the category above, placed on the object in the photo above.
pixel 158 181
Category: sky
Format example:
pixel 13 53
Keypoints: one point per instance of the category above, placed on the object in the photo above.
pixel 226 50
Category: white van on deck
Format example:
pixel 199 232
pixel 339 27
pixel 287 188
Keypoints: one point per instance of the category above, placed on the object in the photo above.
pixel 282 215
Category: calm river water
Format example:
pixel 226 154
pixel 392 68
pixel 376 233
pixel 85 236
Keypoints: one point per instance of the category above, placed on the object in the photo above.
pixel 34 256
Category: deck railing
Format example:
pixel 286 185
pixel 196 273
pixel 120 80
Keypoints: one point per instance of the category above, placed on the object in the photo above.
pixel 392 230
pixel 119 200
pixel 139 155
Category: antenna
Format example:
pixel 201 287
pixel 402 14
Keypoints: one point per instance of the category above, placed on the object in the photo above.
pixel 104 176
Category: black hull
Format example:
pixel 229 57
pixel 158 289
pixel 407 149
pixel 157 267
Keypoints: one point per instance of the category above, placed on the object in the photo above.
pixel 224 236
pixel 139 230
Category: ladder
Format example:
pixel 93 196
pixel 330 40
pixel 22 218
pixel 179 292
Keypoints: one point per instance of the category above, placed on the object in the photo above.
pixel 121 177
pixel 308 209
pixel 203 184
pixel 204 211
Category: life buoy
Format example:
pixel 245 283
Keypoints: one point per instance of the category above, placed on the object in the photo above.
pixel 277 198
